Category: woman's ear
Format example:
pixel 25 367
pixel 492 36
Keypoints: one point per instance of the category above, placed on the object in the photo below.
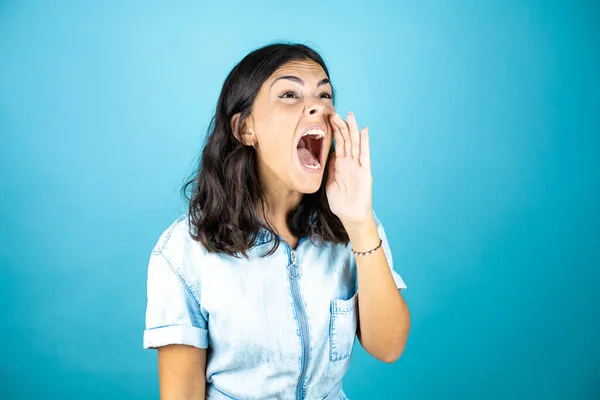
pixel 234 126
pixel 243 130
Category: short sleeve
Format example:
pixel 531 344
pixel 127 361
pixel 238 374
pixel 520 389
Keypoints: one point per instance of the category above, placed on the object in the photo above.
pixel 388 253
pixel 173 312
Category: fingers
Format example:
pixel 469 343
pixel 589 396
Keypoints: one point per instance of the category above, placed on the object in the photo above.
pixel 354 135
pixel 350 142
pixel 345 142
pixel 365 150
pixel 337 134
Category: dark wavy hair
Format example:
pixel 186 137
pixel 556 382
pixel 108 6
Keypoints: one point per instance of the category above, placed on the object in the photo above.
pixel 226 188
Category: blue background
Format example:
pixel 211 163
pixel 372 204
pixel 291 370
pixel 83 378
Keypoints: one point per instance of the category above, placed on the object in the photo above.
pixel 485 131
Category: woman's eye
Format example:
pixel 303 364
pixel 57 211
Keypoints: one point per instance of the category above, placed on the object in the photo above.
pixel 290 94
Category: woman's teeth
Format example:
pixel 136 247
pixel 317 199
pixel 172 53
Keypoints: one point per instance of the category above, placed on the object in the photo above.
pixel 316 166
pixel 317 133
pixel 306 147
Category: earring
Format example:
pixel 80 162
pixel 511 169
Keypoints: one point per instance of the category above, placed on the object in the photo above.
pixel 252 134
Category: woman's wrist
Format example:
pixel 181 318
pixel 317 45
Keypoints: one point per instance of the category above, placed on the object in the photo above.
pixel 363 237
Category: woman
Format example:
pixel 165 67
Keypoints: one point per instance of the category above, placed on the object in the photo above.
pixel 254 292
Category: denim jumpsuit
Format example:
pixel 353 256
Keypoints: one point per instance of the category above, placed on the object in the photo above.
pixel 278 327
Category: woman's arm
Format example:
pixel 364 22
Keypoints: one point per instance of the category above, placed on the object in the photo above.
pixel 181 372
pixel 384 319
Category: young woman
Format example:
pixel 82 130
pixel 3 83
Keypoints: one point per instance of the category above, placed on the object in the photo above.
pixel 260 289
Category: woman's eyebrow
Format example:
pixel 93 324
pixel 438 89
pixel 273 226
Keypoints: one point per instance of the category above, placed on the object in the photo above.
pixel 293 78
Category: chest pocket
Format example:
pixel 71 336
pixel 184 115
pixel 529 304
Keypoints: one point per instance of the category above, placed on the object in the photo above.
pixel 342 328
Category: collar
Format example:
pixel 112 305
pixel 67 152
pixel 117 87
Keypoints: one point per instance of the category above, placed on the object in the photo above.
pixel 263 236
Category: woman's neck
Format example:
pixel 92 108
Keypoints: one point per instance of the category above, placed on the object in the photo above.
pixel 278 204
pixel 279 200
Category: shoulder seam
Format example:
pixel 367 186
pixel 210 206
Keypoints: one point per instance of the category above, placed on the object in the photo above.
pixel 169 232
pixel 181 279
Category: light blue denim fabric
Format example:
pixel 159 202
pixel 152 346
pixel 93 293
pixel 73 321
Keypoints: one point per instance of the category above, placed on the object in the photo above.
pixel 280 327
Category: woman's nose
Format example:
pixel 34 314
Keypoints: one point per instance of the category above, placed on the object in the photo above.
pixel 317 107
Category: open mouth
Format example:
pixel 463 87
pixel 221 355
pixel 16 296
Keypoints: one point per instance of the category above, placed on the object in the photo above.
pixel 309 148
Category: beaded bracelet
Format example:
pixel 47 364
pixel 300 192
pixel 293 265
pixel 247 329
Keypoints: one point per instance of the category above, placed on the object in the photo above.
pixel 366 253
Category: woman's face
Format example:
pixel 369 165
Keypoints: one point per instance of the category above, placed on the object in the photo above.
pixel 292 132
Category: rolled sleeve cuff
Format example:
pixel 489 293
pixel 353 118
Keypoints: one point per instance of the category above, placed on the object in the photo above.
pixel 398 280
pixel 175 334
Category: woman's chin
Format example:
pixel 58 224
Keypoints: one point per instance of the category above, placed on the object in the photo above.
pixel 307 180
pixel 309 184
